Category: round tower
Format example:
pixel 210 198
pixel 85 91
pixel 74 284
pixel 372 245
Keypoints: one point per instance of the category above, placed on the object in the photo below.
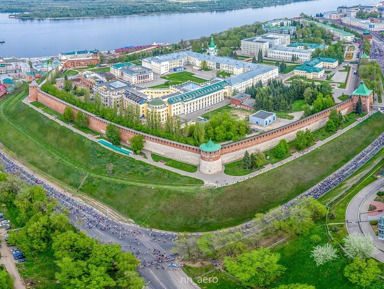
pixel 210 158
pixel 33 91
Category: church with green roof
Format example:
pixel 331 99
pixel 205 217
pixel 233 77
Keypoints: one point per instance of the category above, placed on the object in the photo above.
pixel 212 49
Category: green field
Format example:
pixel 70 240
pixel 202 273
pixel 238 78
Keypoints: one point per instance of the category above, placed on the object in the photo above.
pixel 69 73
pixel 175 164
pixel 179 78
pixel 156 197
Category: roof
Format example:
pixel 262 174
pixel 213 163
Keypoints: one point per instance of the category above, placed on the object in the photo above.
pixel 210 147
pixel 2 87
pixel 365 56
pixel 212 44
pixel 136 96
pixel 7 81
pixel 156 101
pixel 205 90
pixel 309 45
pixel 362 90
pixel 262 114
pixel 241 96
pixel 290 49
pixel 122 64
pixel 366 32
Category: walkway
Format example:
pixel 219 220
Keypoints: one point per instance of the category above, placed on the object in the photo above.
pixel 220 179
pixel 10 264
pixel 356 216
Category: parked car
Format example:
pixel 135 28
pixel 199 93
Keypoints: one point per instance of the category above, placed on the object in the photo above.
pixel 9 228
pixel 22 260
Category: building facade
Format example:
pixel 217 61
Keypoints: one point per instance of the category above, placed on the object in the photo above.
pixel 262 118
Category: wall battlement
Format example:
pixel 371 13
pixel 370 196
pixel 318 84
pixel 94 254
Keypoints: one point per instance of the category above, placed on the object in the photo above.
pixel 192 154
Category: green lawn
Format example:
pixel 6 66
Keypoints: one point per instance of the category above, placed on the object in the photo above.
pixel 178 78
pixel 69 72
pixel 284 115
pixel 343 97
pixel 175 164
pixel 232 111
pixel 156 197
pixel 296 257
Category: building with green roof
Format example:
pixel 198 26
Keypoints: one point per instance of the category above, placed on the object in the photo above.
pixel 210 158
pixel 363 94
pixel 362 90
pixel 212 49
pixel 315 67
pixel 364 56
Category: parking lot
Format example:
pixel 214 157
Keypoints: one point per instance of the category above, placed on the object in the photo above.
pixel 9 261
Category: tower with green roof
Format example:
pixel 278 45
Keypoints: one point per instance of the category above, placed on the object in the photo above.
pixel 210 158
pixel 366 96
pixel 212 49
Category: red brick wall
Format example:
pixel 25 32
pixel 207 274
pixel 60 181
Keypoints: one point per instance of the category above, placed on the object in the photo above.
pixel 99 125
pixel 210 157
pixel 300 124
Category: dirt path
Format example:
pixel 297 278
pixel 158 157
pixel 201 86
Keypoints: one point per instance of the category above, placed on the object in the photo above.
pixel 10 264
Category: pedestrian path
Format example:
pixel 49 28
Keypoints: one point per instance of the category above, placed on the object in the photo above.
pixel 217 180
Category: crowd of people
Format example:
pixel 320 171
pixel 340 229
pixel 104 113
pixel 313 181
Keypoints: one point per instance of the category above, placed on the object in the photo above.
pixel 344 172
pixel 89 218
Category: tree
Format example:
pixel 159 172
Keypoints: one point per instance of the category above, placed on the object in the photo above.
pixel 296 286
pixel 359 106
pixel 137 143
pixel 282 149
pixel 254 59
pixel 260 56
pixel 68 113
pixel 331 127
pixel 358 246
pixel 204 65
pixel 247 161
pixel 258 268
pixel 82 119
pixel 323 254
pixel 363 273
pixel 113 134
pixel 258 159
pixel 67 85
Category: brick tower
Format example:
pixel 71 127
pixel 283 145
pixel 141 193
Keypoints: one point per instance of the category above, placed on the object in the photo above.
pixel 210 159
pixel 33 91
pixel 366 96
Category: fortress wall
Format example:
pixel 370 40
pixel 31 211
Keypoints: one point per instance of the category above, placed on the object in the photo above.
pixel 268 140
pixel 191 154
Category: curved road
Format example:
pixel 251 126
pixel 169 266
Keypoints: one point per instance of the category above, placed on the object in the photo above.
pixel 356 216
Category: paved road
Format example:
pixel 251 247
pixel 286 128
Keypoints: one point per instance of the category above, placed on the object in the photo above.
pixel 9 263
pixel 356 217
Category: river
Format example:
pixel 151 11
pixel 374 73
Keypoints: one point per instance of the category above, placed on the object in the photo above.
pixel 34 38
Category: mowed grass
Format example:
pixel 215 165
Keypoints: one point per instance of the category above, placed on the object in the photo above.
pixel 159 198
pixel 175 164
pixel 179 78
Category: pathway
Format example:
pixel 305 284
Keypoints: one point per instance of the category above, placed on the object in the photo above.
pixel 10 264
pixel 356 216
pixel 220 179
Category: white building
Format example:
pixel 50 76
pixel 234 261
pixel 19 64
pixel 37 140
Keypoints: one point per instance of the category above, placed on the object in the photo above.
pixel 262 117
pixel 264 42
pixel 111 92
pixel 363 24
pixel 285 53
